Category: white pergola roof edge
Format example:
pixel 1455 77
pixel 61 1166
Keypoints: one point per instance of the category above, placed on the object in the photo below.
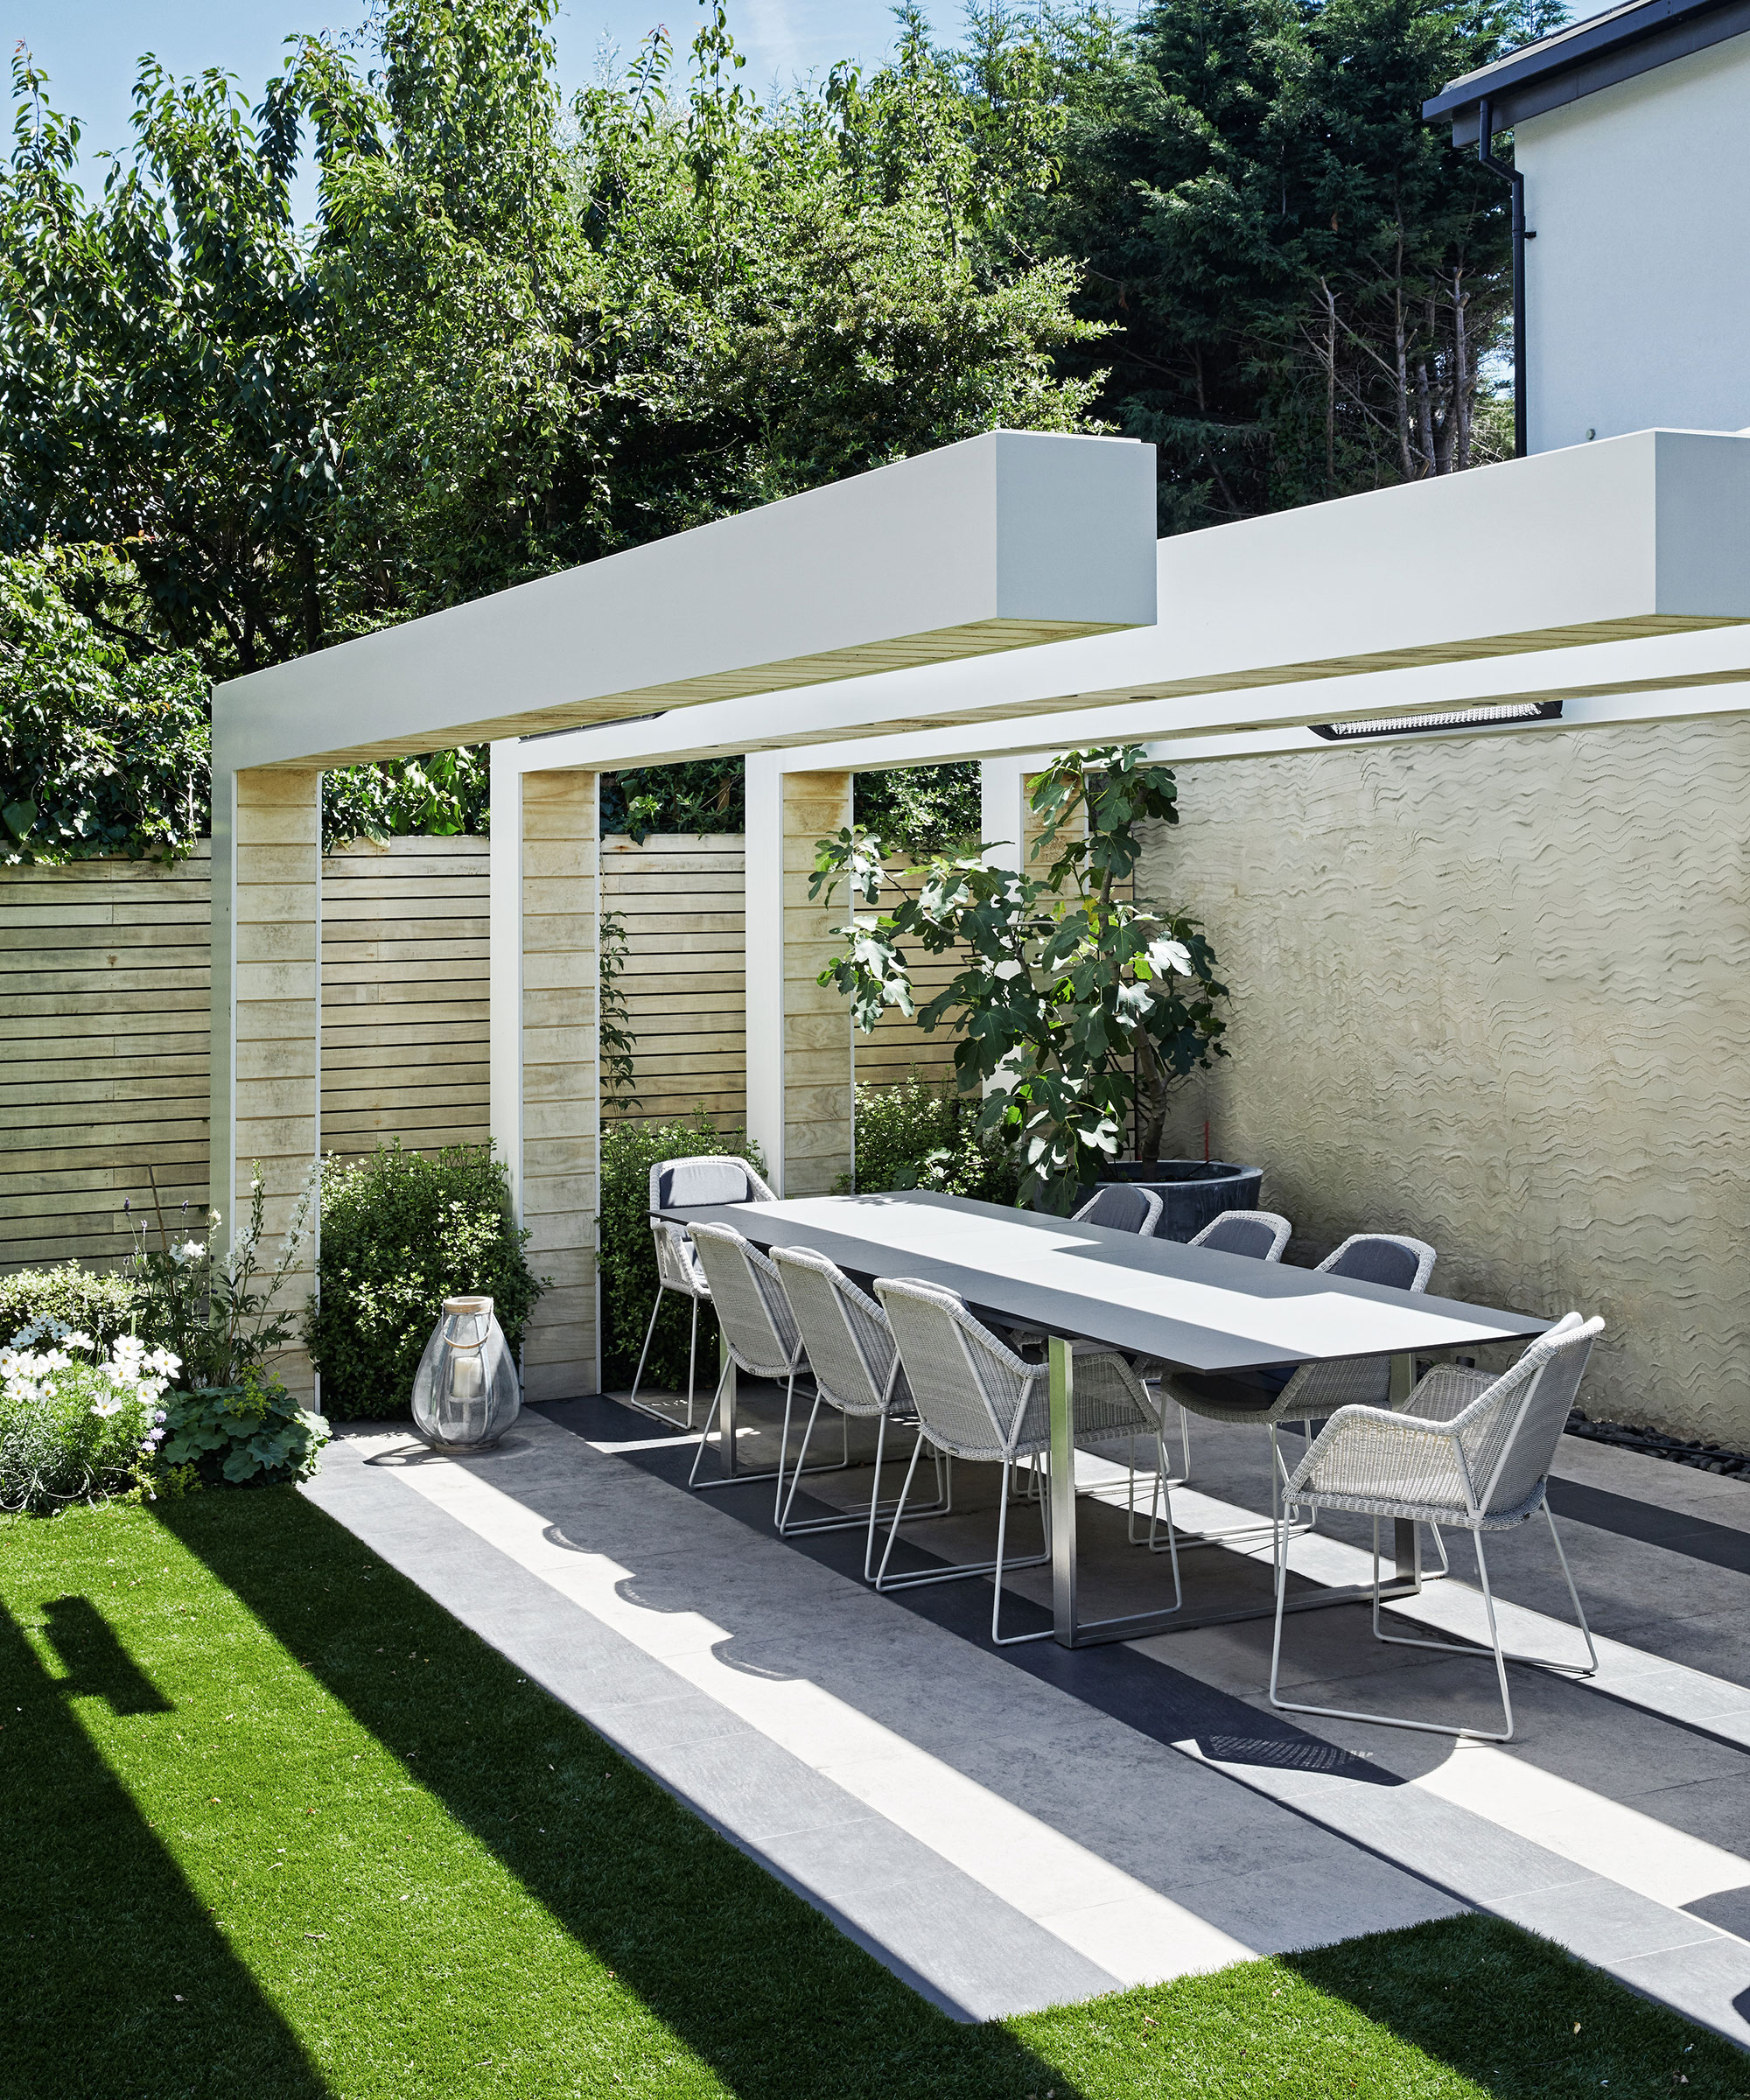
pixel 1657 674
pixel 997 543
pixel 1506 573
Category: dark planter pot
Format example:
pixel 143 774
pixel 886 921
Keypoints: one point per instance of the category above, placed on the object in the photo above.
pixel 1191 1191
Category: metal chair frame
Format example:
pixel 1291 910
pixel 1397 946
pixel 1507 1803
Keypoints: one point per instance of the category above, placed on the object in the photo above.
pixel 1002 1403
pixel 1454 1419
pixel 760 1337
pixel 856 1369
pixel 678 1269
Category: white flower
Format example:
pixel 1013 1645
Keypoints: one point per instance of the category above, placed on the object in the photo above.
pixel 107 1407
pixel 186 1251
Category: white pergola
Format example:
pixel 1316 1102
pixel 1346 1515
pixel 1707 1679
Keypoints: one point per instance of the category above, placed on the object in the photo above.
pixel 996 600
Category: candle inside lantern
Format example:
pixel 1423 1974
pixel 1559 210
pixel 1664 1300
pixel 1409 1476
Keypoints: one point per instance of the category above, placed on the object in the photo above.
pixel 465 1392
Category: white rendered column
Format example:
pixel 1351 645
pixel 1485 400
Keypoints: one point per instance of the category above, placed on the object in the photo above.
pixel 504 966
pixel 764 899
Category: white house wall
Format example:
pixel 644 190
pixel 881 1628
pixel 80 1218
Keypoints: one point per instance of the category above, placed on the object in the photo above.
pixel 1638 300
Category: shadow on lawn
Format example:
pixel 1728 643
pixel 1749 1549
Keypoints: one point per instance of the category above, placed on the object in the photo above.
pixel 93 1912
pixel 749 1976
pixel 97 1663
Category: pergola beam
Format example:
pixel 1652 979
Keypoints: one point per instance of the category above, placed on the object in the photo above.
pixel 1000 543
pixel 1558 576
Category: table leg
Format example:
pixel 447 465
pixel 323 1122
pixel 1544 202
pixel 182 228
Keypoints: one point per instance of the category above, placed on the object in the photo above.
pixel 725 1420
pixel 1406 1539
pixel 1063 1363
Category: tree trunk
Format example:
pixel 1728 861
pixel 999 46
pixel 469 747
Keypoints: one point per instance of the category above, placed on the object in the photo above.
pixel 1462 383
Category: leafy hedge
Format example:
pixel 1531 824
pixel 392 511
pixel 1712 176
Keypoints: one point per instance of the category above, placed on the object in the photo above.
pixel 101 1306
pixel 98 754
pixel 400 1232
pixel 919 1136
pixel 627 1255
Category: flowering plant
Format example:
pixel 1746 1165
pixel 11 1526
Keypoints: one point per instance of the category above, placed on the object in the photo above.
pixel 76 1426
pixel 1079 1006
pixel 217 1310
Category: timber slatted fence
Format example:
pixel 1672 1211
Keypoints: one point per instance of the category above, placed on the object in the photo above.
pixel 404 1012
pixel 681 899
pixel 104 975
pixel 103 1051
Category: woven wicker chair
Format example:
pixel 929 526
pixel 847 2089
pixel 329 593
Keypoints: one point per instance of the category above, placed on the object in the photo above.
pixel 1120 1207
pixel 708 1179
pixel 1468 1450
pixel 976 1400
pixel 1258 1234
pixel 760 1335
pixel 856 1367
pixel 1311 1389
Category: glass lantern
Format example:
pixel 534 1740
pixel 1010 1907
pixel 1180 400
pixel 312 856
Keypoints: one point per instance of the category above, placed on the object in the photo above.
pixel 464 1393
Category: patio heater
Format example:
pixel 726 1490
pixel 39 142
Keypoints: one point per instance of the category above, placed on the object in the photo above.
pixel 464 1393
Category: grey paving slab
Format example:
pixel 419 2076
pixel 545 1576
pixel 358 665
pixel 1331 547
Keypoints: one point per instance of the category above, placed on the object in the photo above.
pixel 1275 1840
pixel 1704 1982
pixel 948 1936
pixel 1613 1923
pixel 1660 1482
pixel 1071 1766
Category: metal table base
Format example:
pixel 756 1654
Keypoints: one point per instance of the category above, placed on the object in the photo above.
pixel 1069 1629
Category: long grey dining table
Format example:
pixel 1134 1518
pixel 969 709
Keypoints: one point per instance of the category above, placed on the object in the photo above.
pixel 1182 1304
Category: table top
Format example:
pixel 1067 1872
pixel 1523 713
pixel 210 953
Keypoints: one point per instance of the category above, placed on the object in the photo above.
pixel 1185 1305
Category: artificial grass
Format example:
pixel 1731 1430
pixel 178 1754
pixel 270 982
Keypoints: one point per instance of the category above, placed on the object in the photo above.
pixel 277 1826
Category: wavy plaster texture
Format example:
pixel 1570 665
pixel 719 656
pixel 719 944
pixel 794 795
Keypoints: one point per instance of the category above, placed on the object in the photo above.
pixel 1495 992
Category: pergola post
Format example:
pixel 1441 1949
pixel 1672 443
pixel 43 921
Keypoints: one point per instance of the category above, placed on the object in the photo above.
pixel 545 1017
pixel 267 1031
pixel 799 1037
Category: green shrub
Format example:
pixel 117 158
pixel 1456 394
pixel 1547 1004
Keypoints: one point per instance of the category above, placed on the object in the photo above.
pixel 77 1423
pixel 627 1255
pixel 400 1232
pixel 101 1306
pixel 919 1136
pixel 253 1436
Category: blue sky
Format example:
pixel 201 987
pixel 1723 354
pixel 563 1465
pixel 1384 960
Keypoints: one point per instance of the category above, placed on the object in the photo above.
pixel 89 47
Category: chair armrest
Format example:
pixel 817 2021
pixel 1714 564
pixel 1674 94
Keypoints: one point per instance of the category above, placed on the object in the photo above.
pixel 1445 1392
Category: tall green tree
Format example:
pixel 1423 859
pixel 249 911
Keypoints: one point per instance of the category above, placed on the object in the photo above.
pixel 162 379
pixel 1307 279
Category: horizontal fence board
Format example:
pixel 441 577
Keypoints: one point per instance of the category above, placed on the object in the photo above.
pixel 679 900
pixel 104 1041
pixel 103 1063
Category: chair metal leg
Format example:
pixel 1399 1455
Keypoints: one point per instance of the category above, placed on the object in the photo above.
pixel 960 1570
pixel 1454 1648
pixel 723 1377
pixel 1501 1658
pixel 692 1359
pixel 998 1638
pixel 656 1306
pixel 1266 1528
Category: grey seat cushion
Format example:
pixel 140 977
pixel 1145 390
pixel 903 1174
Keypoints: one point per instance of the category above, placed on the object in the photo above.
pixel 702 1180
pixel 1378 1262
pixel 1234 1234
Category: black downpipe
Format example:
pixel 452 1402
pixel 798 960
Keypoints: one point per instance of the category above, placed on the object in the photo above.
pixel 1485 140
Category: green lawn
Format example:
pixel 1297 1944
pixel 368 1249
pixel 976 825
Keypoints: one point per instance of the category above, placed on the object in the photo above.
pixel 277 1826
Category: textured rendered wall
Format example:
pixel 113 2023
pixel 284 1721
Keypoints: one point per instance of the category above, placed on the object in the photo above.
pixel 1495 992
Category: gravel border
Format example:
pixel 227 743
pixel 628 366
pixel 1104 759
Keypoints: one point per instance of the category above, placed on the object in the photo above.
pixel 1655 1444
